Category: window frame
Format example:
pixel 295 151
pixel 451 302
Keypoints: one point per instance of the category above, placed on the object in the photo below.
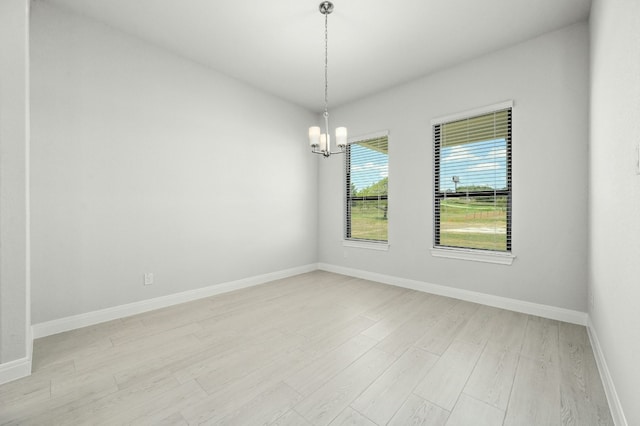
pixel 505 257
pixel 348 241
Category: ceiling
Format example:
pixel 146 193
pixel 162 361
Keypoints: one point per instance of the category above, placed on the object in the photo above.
pixel 278 45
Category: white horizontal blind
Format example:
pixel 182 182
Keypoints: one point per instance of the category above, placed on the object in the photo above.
pixel 367 190
pixel 473 182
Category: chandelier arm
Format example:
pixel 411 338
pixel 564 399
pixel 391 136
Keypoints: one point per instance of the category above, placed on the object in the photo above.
pixel 341 150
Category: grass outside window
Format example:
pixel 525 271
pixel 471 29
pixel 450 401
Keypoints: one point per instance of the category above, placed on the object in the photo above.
pixel 369 220
pixel 473 223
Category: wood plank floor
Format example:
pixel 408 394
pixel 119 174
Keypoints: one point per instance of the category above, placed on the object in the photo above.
pixel 315 349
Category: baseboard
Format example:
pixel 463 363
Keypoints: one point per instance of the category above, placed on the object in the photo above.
pixel 17 369
pixel 90 318
pixel 607 381
pixel 546 311
pixel 14 370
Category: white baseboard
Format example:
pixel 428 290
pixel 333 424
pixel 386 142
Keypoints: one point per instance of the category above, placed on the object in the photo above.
pixel 607 381
pixel 546 311
pixel 17 369
pixel 14 370
pixel 90 318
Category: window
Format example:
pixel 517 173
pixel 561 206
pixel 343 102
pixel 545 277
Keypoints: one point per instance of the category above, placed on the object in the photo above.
pixel 472 194
pixel 367 203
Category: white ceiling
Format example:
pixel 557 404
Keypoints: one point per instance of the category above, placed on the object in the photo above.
pixel 278 45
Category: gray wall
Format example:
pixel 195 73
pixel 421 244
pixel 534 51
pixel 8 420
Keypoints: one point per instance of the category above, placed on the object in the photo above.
pixel 614 202
pixel 547 78
pixel 146 162
pixel 14 151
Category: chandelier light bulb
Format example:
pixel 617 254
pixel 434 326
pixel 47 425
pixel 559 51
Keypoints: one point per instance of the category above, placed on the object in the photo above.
pixel 341 137
pixel 314 136
pixel 323 142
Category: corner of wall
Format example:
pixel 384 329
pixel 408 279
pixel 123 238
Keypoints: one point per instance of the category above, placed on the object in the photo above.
pixel 605 376
pixel 17 369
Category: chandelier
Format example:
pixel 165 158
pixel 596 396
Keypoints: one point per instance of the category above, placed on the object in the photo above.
pixel 321 142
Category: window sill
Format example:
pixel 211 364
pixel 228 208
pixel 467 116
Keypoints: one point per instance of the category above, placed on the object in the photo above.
pixel 475 255
pixel 382 246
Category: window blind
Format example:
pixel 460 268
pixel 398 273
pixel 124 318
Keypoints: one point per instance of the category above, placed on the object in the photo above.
pixel 367 189
pixel 472 185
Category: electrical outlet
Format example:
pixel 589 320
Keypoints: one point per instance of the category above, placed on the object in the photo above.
pixel 148 278
pixel 591 300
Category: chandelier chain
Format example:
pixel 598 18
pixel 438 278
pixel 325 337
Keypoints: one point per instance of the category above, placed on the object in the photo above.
pixel 326 62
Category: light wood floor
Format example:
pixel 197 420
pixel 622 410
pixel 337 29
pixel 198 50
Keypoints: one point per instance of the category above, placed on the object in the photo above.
pixel 320 349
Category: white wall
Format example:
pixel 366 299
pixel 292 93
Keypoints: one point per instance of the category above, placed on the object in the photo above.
pixel 614 202
pixel 145 162
pixel 547 78
pixel 14 154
